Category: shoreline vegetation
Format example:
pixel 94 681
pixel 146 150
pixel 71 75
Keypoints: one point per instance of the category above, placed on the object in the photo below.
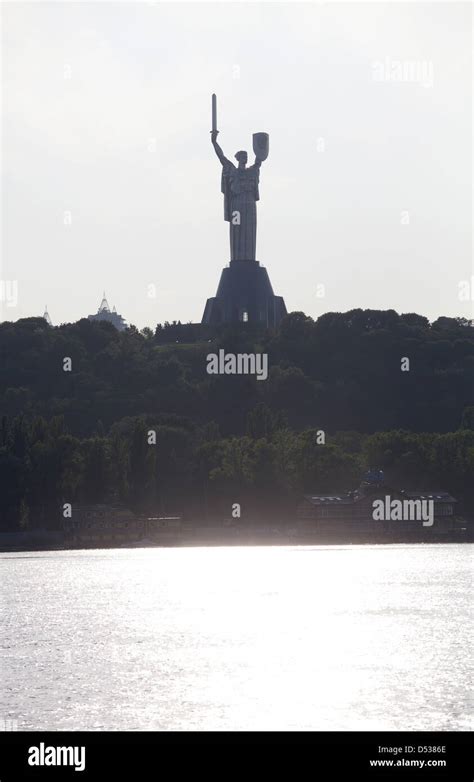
pixel 90 415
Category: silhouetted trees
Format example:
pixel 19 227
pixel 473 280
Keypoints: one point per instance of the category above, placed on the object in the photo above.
pixel 84 435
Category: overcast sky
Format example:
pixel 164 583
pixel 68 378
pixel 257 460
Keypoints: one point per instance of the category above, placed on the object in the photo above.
pixel 110 181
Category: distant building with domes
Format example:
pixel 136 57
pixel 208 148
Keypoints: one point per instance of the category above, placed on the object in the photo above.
pixel 46 316
pixel 105 313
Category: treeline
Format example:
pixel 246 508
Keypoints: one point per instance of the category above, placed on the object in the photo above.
pixel 84 435
pixel 166 464
pixel 340 372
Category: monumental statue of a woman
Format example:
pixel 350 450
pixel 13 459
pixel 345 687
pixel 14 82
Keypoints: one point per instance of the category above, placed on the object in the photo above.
pixel 240 187
pixel 244 293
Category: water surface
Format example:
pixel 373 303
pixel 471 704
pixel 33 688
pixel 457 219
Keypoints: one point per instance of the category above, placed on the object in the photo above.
pixel 324 638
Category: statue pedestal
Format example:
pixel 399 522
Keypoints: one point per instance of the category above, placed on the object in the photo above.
pixel 244 295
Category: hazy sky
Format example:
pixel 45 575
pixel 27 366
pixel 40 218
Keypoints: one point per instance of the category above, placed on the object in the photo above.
pixel 110 181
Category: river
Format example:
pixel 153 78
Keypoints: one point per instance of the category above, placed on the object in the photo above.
pixel 324 638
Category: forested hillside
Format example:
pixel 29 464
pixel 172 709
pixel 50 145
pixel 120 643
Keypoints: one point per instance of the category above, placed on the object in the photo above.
pixel 84 434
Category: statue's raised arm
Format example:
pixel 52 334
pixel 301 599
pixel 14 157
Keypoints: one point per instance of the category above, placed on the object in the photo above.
pixel 217 148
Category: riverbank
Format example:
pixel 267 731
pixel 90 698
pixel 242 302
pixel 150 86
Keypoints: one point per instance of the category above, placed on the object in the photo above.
pixel 45 540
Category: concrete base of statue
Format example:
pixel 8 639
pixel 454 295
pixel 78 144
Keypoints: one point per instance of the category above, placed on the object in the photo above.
pixel 245 294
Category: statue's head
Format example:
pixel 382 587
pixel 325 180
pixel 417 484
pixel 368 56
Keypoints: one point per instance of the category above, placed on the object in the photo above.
pixel 242 157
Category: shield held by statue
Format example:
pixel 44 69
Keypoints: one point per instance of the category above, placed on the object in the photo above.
pixel 261 142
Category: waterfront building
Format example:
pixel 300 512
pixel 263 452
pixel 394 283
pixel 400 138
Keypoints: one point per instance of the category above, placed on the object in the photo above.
pixel 102 525
pixel 354 511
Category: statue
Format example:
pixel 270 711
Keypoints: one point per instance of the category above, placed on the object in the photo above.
pixel 239 185
pixel 244 293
